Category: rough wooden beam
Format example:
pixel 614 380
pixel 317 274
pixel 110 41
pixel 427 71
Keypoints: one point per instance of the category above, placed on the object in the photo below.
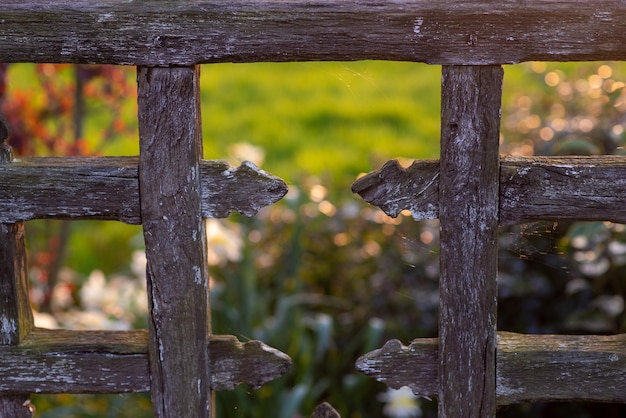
pixel 586 367
pixel 62 361
pixel 162 33
pixel 16 317
pixel 531 189
pixel 170 138
pixel 580 188
pixel 468 218
pixel 397 365
pixel 108 188
pixel 394 188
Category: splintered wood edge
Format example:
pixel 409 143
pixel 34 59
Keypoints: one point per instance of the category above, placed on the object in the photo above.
pixel 531 188
pixel 63 361
pixel 530 368
pixel 107 188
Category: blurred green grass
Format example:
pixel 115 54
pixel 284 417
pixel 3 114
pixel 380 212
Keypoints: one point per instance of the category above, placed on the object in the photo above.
pixel 332 119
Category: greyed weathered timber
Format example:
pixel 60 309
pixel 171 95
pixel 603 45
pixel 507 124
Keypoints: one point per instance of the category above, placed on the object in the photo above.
pixel 587 367
pixel 163 33
pixel 63 361
pixel 107 188
pixel 531 188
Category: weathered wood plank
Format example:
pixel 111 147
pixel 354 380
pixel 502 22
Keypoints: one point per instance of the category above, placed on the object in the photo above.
pixel 531 189
pixel 394 188
pixel 107 188
pixel 561 368
pixel 164 33
pixel 468 214
pixel 16 317
pixel 170 138
pixel 397 365
pixel 62 361
pixel 16 406
pixel 580 188
pixel 530 368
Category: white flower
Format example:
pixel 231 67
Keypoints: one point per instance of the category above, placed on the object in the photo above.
pixel 138 264
pixel 45 320
pixel 400 403
pixel 223 244
pixel 243 151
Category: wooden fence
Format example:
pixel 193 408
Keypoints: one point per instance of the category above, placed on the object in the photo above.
pixel 471 368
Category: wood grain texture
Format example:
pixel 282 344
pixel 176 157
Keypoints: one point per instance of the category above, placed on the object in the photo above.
pixel 531 189
pixel 397 365
pixel 161 33
pixel 394 188
pixel 530 368
pixel 16 317
pixel 107 188
pixel 555 188
pixel 177 273
pixel 16 406
pixel 468 214
pixel 62 361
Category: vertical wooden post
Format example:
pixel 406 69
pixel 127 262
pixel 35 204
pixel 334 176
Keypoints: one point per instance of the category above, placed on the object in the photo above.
pixel 16 317
pixel 468 196
pixel 169 182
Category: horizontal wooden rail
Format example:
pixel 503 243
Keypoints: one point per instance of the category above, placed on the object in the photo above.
pixel 587 368
pixel 535 188
pixel 108 188
pixel 62 361
pixel 162 33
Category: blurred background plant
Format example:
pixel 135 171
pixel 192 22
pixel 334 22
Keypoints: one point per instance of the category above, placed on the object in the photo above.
pixel 321 275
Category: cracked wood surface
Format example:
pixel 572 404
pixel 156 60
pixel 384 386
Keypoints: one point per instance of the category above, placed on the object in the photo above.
pixel 62 361
pixel 468 258
pixel 108 188
pixel 530 368
pixel 531 189
pixel 162 33
pixel 170 143
pixel 16 317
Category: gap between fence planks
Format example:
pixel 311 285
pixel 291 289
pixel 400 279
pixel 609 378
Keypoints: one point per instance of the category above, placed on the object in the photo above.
pixel 531 189
pixel 62 361
pixel 107 188
pixel 530 368
pixel 163 33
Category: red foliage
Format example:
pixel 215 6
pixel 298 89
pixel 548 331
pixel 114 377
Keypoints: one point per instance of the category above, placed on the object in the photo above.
pixel 47 117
